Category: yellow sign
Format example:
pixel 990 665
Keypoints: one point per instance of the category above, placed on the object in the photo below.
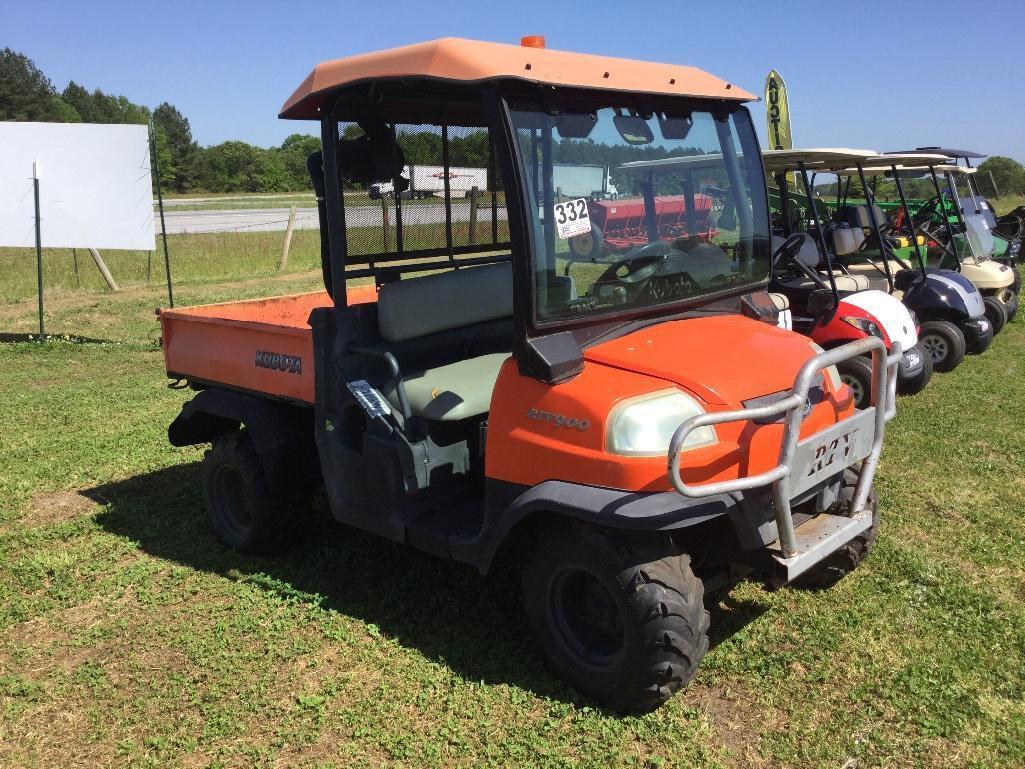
pixel 777 112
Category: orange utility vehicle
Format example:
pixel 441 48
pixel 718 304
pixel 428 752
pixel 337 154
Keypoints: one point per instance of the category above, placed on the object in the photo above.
pixel 630 436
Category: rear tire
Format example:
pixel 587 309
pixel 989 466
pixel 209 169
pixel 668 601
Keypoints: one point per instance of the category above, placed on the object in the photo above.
pixel 944 342
pixel 845 560
pixel 856 373
pixel 244 511
pixel 620 616
pixel 995 313
pixel 915 384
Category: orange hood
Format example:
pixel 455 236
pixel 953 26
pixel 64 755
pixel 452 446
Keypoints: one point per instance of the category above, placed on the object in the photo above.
pixel 723 359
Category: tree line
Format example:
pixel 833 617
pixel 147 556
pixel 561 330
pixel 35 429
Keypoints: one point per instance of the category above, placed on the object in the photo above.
pixel 26 93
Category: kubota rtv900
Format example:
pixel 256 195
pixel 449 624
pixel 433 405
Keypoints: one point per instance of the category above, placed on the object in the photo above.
pixel 630 434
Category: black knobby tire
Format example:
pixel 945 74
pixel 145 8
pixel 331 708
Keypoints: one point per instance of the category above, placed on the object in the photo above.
pixel 995 313
pixel 244 511
pixel 915 384
pixel 621 616
pixel 944 342
pixel 856 373
pixel 845 560
pixel 589 245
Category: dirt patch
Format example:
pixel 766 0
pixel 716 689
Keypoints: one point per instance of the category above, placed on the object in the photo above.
pixel 57 507
pixel 737 720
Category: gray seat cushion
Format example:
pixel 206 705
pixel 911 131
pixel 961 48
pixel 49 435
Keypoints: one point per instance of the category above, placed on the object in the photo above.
pixel 417 307
pixel 449 393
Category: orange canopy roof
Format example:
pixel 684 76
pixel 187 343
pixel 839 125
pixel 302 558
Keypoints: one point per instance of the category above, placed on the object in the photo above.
pixel 456 59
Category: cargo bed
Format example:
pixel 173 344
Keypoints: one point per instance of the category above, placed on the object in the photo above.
pixel 263 346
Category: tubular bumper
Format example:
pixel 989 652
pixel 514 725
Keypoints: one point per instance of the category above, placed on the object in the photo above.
pixel 856 438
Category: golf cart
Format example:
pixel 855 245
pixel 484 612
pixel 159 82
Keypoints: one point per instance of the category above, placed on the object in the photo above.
pixel 963 242
pixel 1007 230
pixel 830 307
pixel 628 438
pixel 949 307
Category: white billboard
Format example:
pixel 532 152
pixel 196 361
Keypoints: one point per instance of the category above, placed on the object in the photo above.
pixel 94 185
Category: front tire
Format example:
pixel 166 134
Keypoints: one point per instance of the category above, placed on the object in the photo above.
pixel 944 342
pixel 915 384
pixel 620 616
pixel 245 512
pixel 845 560
pixel 995 313
pixel 856 373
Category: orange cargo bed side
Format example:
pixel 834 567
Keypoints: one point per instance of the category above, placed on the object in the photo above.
pixel 264 346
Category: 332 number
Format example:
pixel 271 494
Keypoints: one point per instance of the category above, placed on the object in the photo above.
pixel 570 211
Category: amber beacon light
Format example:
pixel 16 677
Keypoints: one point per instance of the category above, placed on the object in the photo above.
pixel 533 41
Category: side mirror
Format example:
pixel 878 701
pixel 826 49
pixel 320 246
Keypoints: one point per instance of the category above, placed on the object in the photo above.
pixel 634 129
pixel 575 126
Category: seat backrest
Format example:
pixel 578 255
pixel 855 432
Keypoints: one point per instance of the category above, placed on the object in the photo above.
pixel 859 216
pixel 809 253
pixel 859 237
pixel 417 307
pixel 844 241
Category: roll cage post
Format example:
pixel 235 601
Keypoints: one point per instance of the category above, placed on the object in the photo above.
pixel 884 250
pixel 821 241
pixel 952 248
pixel 958 213
pixel 907 213
pixel 332 203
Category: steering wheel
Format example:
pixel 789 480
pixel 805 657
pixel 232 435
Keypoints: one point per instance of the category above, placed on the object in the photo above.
pixel 789 248
pixel 638 266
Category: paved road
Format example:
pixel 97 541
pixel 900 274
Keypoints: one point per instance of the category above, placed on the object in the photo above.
pixel 272 219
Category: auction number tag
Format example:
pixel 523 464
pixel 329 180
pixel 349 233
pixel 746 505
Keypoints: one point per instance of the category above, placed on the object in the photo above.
pixel 571 218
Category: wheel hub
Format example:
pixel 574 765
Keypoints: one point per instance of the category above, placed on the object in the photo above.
pixel 936 347
pixel 587 617
pixel 856 389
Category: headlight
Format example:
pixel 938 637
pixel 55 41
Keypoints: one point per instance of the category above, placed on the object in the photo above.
pixel 644 425
pixel 865 325
pixel 831 371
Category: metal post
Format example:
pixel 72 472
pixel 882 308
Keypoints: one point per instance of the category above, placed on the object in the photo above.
pixel 870 200
pixel 288 240
pixel 821 240
pixel 946 219
pixel 448 192
pixel 78 279
pixel 160 205
pixel 385 225
pixel 996 192
pixel 472 235
pixel 39 248
pixel 911 222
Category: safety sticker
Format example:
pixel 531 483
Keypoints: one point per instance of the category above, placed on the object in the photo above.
pixel 571 218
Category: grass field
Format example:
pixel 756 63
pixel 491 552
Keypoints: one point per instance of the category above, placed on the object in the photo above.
pixel 129 637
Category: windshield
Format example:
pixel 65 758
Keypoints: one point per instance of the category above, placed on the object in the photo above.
pixel 630 211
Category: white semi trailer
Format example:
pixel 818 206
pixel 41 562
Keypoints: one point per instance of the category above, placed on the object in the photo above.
pixel 429 181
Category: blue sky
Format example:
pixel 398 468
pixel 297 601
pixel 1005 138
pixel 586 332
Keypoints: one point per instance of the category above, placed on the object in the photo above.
pixel 882 75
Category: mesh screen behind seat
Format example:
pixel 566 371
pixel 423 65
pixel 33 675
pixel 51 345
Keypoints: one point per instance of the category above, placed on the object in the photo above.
pixel 440 219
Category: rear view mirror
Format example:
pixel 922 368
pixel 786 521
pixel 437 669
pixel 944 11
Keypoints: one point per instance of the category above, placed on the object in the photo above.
pixel 634 129
pixel 575 126
pixel 675 128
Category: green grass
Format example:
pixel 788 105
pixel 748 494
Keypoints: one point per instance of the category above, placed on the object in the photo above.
pixel 129 637
pixel 1008 203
